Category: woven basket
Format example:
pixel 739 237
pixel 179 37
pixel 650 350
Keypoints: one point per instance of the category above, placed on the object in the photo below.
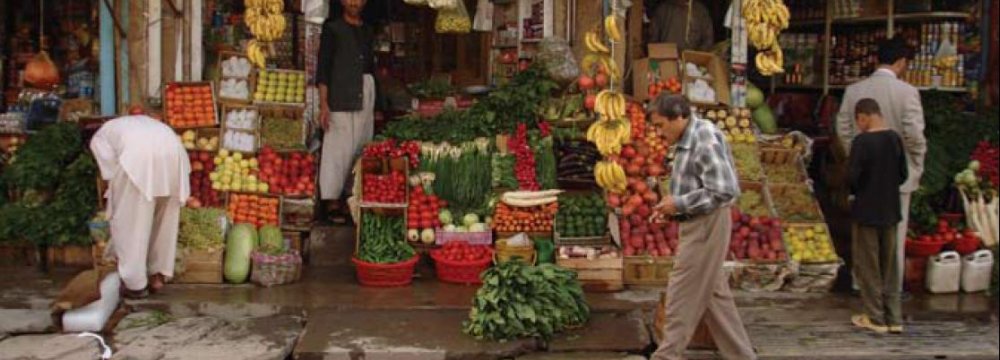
pixel 270 270
pixel 459 272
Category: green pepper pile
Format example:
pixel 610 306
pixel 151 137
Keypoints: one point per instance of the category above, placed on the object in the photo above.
pixel 383 239
pixel 519 300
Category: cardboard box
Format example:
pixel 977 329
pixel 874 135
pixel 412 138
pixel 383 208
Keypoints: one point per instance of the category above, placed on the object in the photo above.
pixel 718 75
pixel 663 63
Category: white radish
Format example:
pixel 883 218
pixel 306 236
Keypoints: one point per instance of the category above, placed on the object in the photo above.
pixel 530 195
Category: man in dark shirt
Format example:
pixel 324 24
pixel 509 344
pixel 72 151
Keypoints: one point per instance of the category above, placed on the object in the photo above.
pixel 877 169
pixel 345 75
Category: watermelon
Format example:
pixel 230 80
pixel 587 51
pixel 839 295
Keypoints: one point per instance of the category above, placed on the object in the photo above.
pixel 271 240
pixel 764 119
pixel 755 97
pixel 240 242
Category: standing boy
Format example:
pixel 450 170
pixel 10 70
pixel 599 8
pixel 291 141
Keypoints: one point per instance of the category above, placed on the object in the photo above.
pixel 703 187
pixel 877 168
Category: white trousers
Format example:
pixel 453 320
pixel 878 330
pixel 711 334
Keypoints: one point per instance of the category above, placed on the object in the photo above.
pixel 143 232
pixel 344 138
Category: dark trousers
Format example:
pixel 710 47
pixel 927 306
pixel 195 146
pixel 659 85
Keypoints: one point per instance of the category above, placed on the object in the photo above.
pixel 878 273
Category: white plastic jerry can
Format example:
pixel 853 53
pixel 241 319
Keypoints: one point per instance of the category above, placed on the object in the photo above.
pixel 977 268
pixel 944 272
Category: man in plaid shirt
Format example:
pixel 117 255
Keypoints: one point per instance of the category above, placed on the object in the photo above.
pixel 703 185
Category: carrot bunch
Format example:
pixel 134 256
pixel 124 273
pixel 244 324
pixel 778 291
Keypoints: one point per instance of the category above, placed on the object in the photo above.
pixel 253 209
pixel 524 219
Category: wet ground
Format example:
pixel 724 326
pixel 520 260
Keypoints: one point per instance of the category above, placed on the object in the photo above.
pixel 338 319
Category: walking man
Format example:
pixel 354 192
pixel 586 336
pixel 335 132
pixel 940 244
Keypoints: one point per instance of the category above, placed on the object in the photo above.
pixel 147 169
pixel 345 75
pixel 901 109
pixel 703 186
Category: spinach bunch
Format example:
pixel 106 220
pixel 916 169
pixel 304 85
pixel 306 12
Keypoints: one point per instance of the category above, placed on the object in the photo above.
pixel 55 178
pixel 519 300
pixel 382 239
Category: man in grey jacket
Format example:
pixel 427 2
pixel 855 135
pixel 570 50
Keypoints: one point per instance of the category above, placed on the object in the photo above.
pixel 903 113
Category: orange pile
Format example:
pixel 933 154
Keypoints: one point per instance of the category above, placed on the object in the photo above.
pixel 190 106
pixel 253 209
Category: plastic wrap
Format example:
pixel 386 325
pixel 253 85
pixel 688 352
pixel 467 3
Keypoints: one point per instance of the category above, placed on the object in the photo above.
pixel 270 270
pixel 813 277
pixel 760 277
pixel 453 20
pixel 557 57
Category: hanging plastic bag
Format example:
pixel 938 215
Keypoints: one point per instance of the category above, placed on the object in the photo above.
pixel 444 4
pixel 557 57
pixel 484 16
pixel 453 21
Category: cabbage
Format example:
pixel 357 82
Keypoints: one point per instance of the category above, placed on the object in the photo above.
pixel 449 228
pixel 477 227
pixel 427 236
pixel 470 219
pixel 445 217
pixel 239 244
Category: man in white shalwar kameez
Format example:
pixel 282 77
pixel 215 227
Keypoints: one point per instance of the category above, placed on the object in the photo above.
pixel 147 169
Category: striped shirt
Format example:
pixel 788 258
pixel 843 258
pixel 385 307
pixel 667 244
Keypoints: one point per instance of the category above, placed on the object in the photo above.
pixel 703 178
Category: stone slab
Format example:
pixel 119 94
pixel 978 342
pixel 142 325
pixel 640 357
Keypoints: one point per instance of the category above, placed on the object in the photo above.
pixel 606 332
pixel 25 321
pixel 581 356
pixel 205 337
pixel 399 335
pixel 50 347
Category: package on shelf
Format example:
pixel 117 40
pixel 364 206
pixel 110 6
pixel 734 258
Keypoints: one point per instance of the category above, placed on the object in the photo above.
pixel 662 64
pixel 705 78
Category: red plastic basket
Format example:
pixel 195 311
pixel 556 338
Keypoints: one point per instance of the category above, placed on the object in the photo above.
pixel 966 245
pixel 923 249
pixel 385 275
pixel 460 272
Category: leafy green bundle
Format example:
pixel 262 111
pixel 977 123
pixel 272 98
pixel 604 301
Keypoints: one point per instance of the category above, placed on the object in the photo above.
pixel 519 300
pixel 201 229
pixel 54 177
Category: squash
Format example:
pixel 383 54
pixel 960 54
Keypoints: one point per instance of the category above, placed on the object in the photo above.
pixel 240 242
pixel 271 240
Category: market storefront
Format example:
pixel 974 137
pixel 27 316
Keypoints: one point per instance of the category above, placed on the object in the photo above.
pixel 499 140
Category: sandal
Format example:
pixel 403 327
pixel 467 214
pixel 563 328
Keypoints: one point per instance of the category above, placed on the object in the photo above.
pixel 862 321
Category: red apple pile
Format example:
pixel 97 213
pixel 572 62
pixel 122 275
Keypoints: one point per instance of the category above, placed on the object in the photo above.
pixel 288 174
pixel 756 238
pixel 640 237
pixel 201 186
pixel 640 165
pixel 423 211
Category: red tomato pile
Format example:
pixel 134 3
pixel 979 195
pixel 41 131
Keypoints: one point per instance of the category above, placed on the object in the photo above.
pixel 385 189
pixel 389 149
pixel 201 186
pixel 423 210
pixel 288 174
pixel 190 106
pixel 945 234
pixel 637 116
pixel 457 251
pixel 671 85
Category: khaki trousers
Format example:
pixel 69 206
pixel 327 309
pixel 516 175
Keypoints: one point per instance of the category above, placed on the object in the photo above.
pixel 344 138
pixel 699 289
pixel 877 273
pixel 901 228
pixel 143 232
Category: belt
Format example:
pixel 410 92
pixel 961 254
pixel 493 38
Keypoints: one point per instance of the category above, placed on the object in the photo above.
pixel 682 217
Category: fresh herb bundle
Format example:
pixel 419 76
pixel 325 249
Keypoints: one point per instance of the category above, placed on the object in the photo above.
pixel 519 300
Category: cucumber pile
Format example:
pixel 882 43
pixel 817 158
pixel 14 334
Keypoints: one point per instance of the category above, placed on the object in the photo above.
pixel 581 215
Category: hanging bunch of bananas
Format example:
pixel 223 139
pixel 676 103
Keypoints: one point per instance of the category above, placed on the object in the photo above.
pixel 265 19
pixel 610 104
pixel 609 135
pixel 610 176
pixel 611 28
pixel 771 61
pixel 256 54
pixel 765 20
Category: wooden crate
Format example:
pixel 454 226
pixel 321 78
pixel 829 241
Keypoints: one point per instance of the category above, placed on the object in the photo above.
pixel 780 192
pixel 778 155
pixel 215 103
pixel 20 255
pixel 201 267
pixel 597 275
pixel 70 256
pixel 702 338
pixel 647 270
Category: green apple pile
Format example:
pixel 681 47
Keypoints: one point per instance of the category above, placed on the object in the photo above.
pixel 281 87
pixel 236 172
pixel 810 244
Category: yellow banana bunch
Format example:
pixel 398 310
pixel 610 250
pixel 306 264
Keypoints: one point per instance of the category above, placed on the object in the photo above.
pixel 771 62
pixel 256 54
pixel 609 135
pixel 610 104
pixel 265 19
pixel 765 19
pixel 594 43
pixel 610 176
pixel 611 27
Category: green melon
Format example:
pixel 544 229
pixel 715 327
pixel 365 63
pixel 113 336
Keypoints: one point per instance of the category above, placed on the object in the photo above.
pixel 240 242
pixel 764 118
